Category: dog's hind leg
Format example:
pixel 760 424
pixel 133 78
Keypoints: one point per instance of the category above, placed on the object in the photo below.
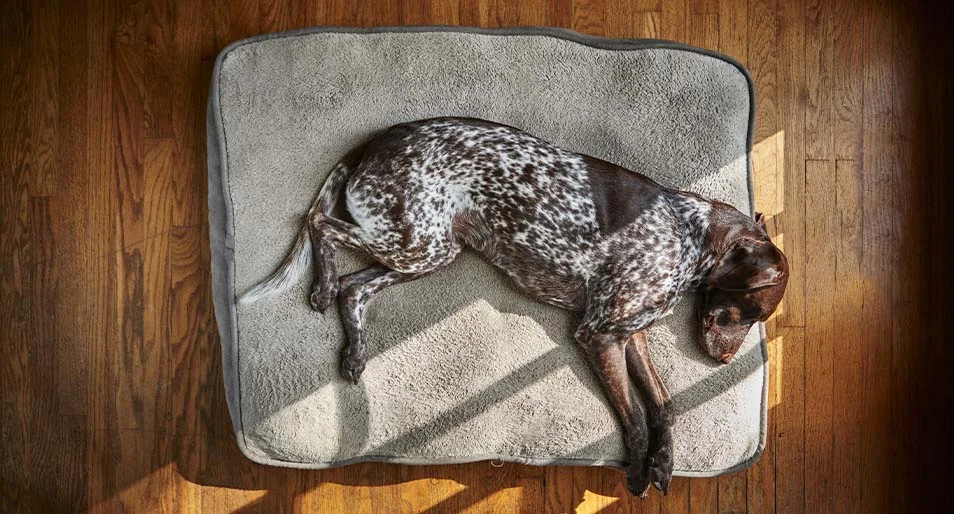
pixel 327 232
pixel 357 290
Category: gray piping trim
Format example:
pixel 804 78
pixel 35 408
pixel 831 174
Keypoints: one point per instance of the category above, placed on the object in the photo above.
pixel 228 328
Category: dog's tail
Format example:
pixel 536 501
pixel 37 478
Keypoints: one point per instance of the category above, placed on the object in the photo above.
pixel 299 258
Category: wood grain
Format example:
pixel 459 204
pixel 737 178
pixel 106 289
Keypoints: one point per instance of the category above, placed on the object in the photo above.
pixel 112 397
pixel 881 207
pixel 849 352
pixel 823 226
pixel 819 75
pixel 790 422
pixel 792 94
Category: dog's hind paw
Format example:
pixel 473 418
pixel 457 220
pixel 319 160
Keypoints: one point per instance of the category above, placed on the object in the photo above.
pixel 351 369
pixel 320 300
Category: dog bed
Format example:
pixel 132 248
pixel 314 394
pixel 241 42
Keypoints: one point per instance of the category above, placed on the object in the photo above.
pixel 463 366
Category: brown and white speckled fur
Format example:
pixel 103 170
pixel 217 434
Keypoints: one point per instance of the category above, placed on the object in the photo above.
pixel 569 229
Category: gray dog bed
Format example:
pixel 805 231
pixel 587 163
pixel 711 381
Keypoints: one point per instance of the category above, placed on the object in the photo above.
pixel 463 366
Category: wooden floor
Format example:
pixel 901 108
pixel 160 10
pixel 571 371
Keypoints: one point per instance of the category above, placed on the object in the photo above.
pixel 112 395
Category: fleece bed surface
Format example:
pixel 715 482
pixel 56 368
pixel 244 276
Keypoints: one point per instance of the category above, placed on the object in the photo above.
pixel 463 366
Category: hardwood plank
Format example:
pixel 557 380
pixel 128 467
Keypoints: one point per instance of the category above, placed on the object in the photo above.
pixel 273 16
pixel 909 242
pixel 192 339
pixel 385 494
pixel 307 14
pixel 560 13
pixel 445 12
pixel 704 495
pixel 101 315
pixel 244 18
pixel 132 465
pixel 791 91
pixel 430 489
pixel 647 24
pixel 733 30
pixel 704 6
pixel 821 220
pixel 732 493
pixel 48 442
pixel 532 13
pixel 70 228
pixel 558 487
pixel 586 481
pixel 324 491
pixel 15 493
pixel 158 68
pixel 617 20
pixel 674 20
pixel 474 13
pixel 677 500
pixel 127 120
pixel 819 61
pixel 44 78
pixel 760 478
pixel 847 80
pixel 414 13
pixel 530 480
pixel 589 17
pixel 849 352
pixel 704 31
pixel 881 204
pixel 790 422
pixel 192 77
pixel 503 13
pixel 932 141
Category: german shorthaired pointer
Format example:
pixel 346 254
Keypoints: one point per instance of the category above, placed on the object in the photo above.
pixel 572 230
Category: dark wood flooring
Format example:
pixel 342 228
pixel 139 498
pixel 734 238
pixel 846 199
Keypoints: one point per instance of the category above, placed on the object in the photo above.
pixel 112 396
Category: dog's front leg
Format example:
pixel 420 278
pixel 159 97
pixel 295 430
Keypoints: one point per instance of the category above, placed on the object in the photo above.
pixel 607 356
pixel 658 408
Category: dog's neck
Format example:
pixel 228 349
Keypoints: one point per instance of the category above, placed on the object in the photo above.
pixel 711 229
pixel 722 227
pixel 697 255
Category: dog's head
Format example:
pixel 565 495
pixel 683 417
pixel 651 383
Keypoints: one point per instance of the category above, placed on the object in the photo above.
pixel 745 286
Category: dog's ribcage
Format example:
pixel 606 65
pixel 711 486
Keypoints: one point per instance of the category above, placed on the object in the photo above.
pixel 427 187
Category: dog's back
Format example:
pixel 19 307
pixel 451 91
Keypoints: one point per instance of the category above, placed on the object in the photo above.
pixel 423 188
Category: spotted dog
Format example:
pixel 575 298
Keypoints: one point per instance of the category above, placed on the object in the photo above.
pixel 571 230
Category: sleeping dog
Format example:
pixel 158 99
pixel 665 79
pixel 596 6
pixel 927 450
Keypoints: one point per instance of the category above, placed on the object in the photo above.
pixel 571 230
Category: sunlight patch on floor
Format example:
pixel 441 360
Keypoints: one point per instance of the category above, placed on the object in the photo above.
pixel 594 502
pixel 499 501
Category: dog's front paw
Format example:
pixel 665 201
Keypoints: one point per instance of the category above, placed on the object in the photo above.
pixel 321 299
pixel 637 478
pixel 352 367
pixel 660 467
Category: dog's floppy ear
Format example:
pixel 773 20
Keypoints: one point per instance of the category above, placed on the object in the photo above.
pixel 760 221
pixel 748 264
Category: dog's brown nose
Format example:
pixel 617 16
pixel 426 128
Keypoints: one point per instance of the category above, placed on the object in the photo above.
pixel 726 358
